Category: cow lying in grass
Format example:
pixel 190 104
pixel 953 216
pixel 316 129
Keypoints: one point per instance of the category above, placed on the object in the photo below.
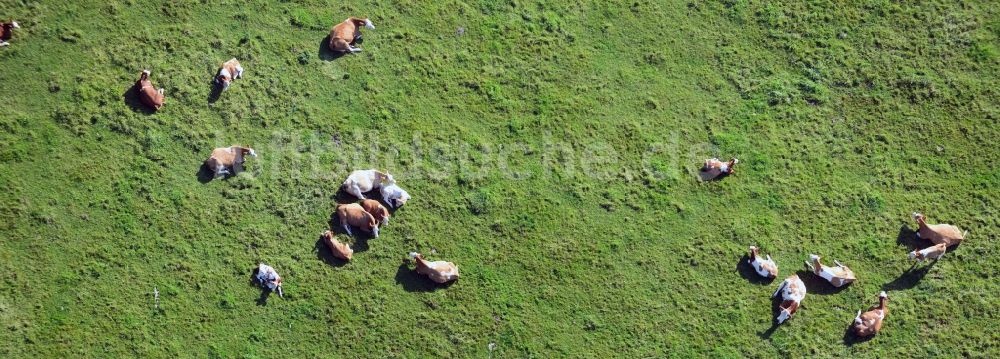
pixel 838 276
pixel 764 267
pixel 148 94
pixel 344 35
pixel 229 71
pixel 440 271
pixel 870 323
pixel 376 210
pixel 339 250
pixel 361 181
pixel 353 215
pixel 269 278
pixel 714 168
pixel 938 233
pixel 792 291
pixel 394 195
pixel 933 252
pixel 7 31
pixel 225 158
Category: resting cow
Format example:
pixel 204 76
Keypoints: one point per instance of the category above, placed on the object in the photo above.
pixel 344 35
pixel 229 71
pixel 353 215
pixel 148 94
pixel 376 210
pixel 225 158
pixel 7 31
pixel 359 182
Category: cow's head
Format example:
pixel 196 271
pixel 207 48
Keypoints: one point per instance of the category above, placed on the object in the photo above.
pixel 224 78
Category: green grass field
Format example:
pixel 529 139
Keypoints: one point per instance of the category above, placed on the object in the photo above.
pixel 552 151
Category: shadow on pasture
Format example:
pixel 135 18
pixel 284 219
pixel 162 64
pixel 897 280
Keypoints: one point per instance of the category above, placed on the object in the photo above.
pixel 215 92
pixel 910 277
pixel 850 338
pixel 908 238
pixel 325 53
pixel 416 282
pixel 324 254
pixel 817 285
pixel 360 237
pixel 705 176
pixel 775 309
pixel 131 99
pixel 747 272
pixel 205 174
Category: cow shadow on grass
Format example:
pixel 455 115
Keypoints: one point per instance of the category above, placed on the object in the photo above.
pixel 416 282
pixel 131 99
pixel 326 255
pixel 205 174
pixel 775 310
pixel 215 93
pixel 817 285
pixel 360 237
pixel 910 278
pixel 908 238
pixel 325 53
pixel 747 272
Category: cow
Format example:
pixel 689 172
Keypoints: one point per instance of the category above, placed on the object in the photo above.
pixel 229 71
pixel 225 158
pixel 148 94
pixel 344 35
pixel 7 31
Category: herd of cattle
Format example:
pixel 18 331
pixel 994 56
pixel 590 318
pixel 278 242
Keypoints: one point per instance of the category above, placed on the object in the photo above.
pixel 368 214
pixel 793 290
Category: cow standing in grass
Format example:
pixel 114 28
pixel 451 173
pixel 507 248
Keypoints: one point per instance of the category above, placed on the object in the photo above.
pixel 7 31
pixel 344 35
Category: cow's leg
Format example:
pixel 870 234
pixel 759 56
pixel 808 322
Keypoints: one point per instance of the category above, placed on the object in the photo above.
pixel 356 191
pixel 347 228
pixel 4 43
pixel 354 49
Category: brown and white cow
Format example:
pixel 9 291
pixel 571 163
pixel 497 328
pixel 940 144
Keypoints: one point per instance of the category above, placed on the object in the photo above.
pixel 792 291
pixel 376 209
pixel 933 252
pixel 339 250
pixel 764 267
pixel 439 271
pixel 714 168
pixel 229 71
pixel 345 34
pixel 148 94
pixel 353 215
pixel 938 233
pixel 7 31
pixel 838 276
pixel 225 158
pixel 870 323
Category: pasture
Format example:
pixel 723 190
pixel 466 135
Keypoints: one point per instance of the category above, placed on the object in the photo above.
pixel 552 151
